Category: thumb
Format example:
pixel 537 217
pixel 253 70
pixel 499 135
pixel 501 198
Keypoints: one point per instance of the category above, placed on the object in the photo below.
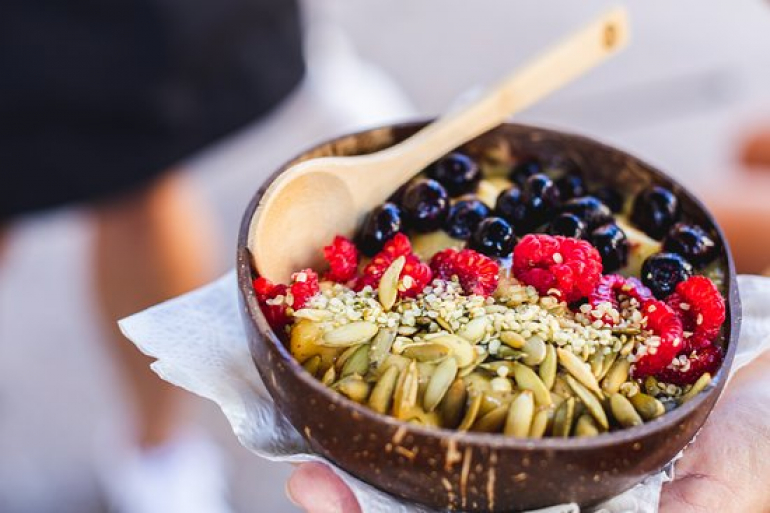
pixel 315 488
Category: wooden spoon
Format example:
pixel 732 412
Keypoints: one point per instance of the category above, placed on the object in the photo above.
pixel 314 200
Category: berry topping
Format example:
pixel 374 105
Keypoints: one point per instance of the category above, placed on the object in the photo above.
pixel 701 307
pixel 523 170
pixel 610 197
pixel 541 196
pixel 692 242
pixel 414 277
pixel 477 274
pixel 382 223
pixel 568 225
pixel 685 370
pixel 458 173
pixel 510 206
pixel 613 289
pixel 612 244
pixel 662 272
pixel 425 205
pixel 342 256
pixel 655 210
pixel 571 186
pixel 570 267
pixel 493 237
pixel 665 343
pixel 275 300
pixel 592 211
pixel 271 299
pixel 464 217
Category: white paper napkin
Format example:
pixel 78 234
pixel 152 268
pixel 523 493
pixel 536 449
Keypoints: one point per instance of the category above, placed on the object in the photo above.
pixel 200 345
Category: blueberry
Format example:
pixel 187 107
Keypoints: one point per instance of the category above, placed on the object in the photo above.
pixel 610 197
pixel 464 217
pixel 571 186
pixel 662 272
pixel 568 225
pixel 493 237
pixel 592 211
pixel 458 173
pixel 523 170
pixel 612 244
pixel 425 205
pixel 510 206
pixel 382 223
pixel 541 196
pixel 692 242
pixel 655 210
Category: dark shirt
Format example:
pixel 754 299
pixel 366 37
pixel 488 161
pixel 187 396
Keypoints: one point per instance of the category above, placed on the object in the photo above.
pixel 99 96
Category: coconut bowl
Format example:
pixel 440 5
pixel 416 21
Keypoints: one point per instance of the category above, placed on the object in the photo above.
pixel 450 470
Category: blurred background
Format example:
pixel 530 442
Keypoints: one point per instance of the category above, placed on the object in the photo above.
pixel 685 95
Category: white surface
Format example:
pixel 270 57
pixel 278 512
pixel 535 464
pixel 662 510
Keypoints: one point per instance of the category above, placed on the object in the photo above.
pixel 200 345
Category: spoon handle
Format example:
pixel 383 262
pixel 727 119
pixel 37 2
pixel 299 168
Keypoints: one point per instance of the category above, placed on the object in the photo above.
pixel 550 71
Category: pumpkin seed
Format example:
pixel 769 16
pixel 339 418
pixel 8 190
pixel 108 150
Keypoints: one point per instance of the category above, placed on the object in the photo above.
pixel 494 367
pixel 426 352
pixel 478 382
pixel 405 393
pixel 609 361
pixel 562 419
pixel 539 423
pixel 387 291
pixel 492 422
pixel 394 360
pixel 628 331
pixel 578 369
pixel 353 387
pixel 586 426
pixel 312 365
pixel 492 399
pixel 329 376
pixel 342 359
pixel 520 415
pixel 512 339
pixel 439 384
pixel 358 363
pixel 461 349
pixel 423 418
pixel 597 362
pixel 627 348
pixel 381 345
pixel 548 367
pixel 451 406
pixel 534 351
pixel 471 411
pixel 651 386
pixel 647 406
pixel 560 386
pixel 350 334
pixel 475 329
pixel 616 376
pixel 507 353
pixel 624 411
pixel 697 388
pixel 590 401
pixel 499 384
pixel 313 314
pixel 527 379
pixel 444 324
pixel 382 393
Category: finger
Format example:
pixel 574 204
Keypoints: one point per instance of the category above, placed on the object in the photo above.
pixel 695 494
pixel 317 489
pixel 756 149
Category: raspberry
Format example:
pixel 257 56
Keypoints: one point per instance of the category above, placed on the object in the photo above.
pixel 276 315
pixel 478 274
pixel 342 256
pixel 612 288
pixel 701 361
pixel 304 285
pixel 415 276
pixel 701 308
pixel 571 266
pixel 664 324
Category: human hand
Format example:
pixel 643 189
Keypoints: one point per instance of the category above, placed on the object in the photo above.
pixel 725 470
